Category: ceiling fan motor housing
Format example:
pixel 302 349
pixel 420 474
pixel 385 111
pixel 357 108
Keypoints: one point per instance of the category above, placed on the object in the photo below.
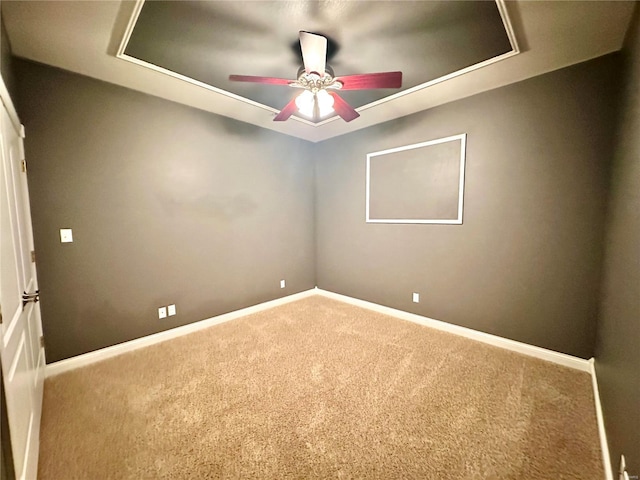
pixel 327 70
pixel 315 83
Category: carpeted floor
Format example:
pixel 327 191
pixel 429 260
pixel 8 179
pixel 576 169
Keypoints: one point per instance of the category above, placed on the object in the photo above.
pixel 320 389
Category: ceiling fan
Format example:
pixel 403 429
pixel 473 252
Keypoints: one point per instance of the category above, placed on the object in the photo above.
pixel 319 98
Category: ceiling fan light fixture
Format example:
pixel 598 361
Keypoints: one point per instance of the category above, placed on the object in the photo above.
pixel 305 103
pixel 308 100
pixel 319 98
pixel 325 103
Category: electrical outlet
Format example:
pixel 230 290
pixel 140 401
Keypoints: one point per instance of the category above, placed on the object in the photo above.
pixel 66 235
pixel 416 297
pixel 282 283
pixel 171 310
pixel 162 312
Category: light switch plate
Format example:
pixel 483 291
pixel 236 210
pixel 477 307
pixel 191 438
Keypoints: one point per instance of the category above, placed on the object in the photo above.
pixel 171 309
pixel 66 235
pixel 416 297
pixel 162 312
pixel 282 283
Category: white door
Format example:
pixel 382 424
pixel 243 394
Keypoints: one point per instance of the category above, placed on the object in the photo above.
pixel 21 348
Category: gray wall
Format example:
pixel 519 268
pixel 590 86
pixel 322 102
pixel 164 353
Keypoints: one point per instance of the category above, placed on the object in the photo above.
pixel 618 340
pixel 168 204
pixel 174 205
pixel 526 263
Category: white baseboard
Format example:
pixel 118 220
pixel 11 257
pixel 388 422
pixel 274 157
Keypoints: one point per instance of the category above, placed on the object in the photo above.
pixel 88 358
pixel 524 348
pixel 602 433
pixel 519 347
pixel 108 352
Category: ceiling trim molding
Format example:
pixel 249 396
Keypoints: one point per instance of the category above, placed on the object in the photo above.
pixel 84 38
pixel 506 21
pixel 515 50
pixel 123 56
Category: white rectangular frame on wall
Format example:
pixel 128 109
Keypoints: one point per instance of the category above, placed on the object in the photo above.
pixel 462 138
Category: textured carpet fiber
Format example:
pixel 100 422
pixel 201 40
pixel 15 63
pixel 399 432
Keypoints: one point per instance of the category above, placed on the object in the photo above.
pixel 320 389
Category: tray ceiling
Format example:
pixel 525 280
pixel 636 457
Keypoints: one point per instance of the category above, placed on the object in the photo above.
pixel 207 41
pixel 192 47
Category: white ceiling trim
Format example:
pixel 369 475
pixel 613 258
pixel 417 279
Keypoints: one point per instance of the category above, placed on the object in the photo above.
pixel 140 3
pixel 551 35
pixel 123 56
pixel 515 50
pixel 84 37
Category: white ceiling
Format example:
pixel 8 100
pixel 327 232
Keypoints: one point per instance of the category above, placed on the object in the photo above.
pixel 84 37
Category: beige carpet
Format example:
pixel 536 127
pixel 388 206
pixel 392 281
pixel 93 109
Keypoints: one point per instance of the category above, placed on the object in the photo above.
pixel 320 389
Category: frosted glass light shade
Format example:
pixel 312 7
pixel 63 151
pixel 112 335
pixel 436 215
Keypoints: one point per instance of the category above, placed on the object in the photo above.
pixel 305 102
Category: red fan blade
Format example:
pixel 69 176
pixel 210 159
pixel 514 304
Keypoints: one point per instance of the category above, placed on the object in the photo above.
pixel 251 78
pixel 371 80
pixel 342 108
pixel 314 52
pixel 287 111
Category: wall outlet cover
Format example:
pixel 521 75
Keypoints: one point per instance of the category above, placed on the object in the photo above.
pixel 282 283
pixel 416 297
pixel 66 235
pixel 162 312
pixel 171 309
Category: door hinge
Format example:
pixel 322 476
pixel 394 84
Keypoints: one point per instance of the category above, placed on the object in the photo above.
pixel 33 256
pixel 0 314
pixel 42 341
pixel 24 166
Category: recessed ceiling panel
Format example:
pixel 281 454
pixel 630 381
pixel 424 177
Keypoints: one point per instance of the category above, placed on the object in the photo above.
pixel 209 40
